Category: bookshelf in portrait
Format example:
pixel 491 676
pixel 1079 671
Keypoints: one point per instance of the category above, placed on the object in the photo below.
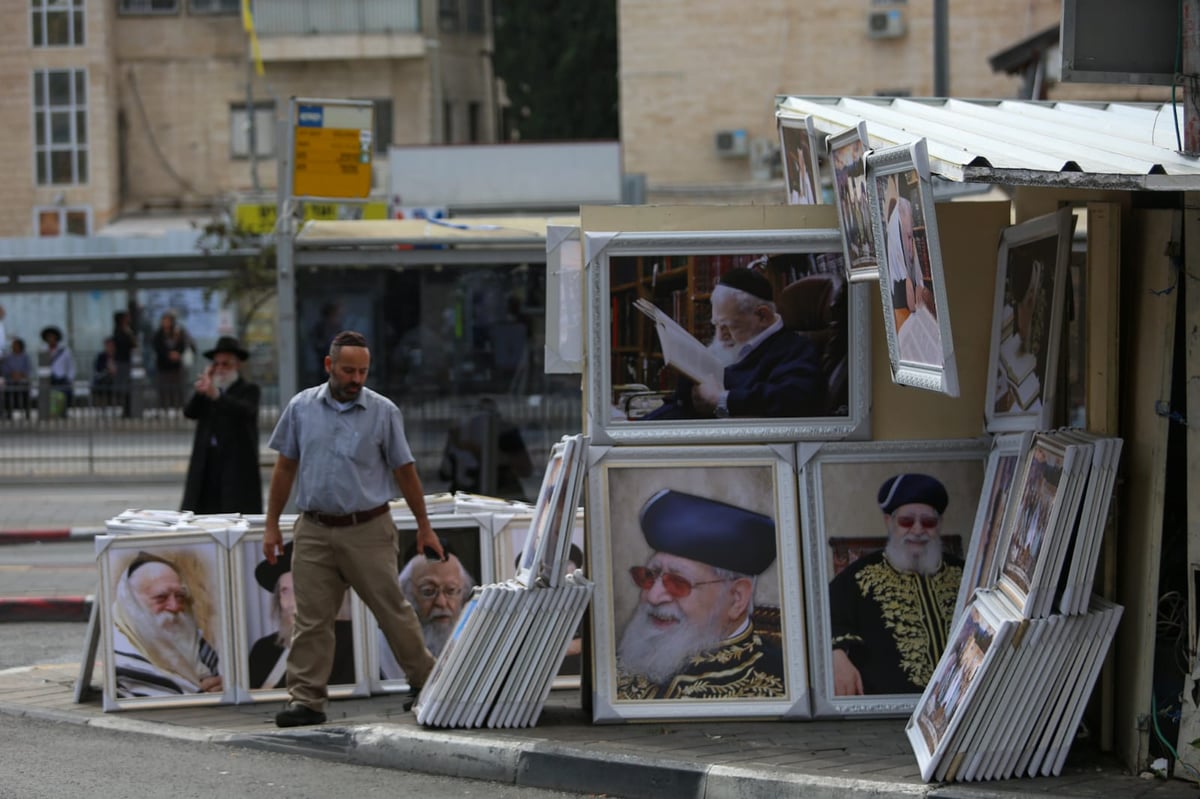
pixel 797 367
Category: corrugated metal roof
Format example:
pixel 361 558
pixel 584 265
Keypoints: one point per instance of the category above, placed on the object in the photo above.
pixel 1021 142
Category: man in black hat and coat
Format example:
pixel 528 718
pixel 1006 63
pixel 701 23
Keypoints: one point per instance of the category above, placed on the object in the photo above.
pixel 890 611
pixel 696 632
pixel 770 371
pixel 223 474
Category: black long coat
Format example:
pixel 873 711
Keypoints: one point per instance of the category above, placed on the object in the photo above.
pixel 232 419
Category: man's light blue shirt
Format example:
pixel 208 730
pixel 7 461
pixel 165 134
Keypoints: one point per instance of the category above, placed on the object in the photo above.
pixel 346 456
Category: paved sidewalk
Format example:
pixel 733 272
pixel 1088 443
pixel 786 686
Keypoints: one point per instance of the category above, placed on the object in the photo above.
pixel 746 760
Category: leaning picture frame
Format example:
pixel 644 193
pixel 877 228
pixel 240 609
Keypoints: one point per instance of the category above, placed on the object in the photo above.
pixel 674 273
pixel 728 504
pixel 1027 323
pixel 186 575
pixel 799 148
pixel 263 606
pixel 912 284
pixel 469 543
pixel 847 158
pixel 845 538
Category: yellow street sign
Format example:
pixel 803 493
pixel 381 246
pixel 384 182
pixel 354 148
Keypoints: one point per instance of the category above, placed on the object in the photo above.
pixel 333 147
pixel 260 217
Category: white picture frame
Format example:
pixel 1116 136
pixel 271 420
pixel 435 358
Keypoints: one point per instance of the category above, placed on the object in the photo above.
pixel 754 479
pixel 1026 342
pixel 848 163
pixel 565 331
pixel 799 148
pixel 919 334
pixel 842 523
pixel 617 344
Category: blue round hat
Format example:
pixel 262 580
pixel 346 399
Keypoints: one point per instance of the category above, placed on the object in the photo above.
pixel 903 489
pixel 708 531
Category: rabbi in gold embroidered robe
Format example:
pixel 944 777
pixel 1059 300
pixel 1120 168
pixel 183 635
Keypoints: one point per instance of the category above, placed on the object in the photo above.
pixel 890 611
pixel 695 633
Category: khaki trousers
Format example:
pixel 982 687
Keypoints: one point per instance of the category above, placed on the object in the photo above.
pixel 325 560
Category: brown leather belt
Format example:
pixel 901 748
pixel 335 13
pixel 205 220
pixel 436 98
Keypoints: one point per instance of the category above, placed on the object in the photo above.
pixel 334 520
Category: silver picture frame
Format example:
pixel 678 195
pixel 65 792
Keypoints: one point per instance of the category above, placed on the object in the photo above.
pixel 848 163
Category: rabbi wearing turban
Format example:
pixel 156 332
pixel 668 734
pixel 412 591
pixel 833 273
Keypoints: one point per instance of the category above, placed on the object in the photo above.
pixel 695 633
pixel 890 611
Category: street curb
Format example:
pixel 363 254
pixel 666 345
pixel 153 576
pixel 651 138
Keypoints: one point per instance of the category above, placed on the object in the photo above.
pixel 47 536
pixel 40 608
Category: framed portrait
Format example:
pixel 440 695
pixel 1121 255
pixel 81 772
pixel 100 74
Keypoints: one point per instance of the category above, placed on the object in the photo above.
pixel 437 590
pixel 1046 497
pixel 912 285
pixel 880 520
pixel 653 346
pixel 975 644
pixel 547 545
pixel 847 156
pixel 799 148
pixel 166 619
pixel 698 610
pixel 1027 322
pixel 564 300
pixel 264 609
pixel 994 503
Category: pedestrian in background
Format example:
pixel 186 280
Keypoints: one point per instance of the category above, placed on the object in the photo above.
pixel 346 445
pixel 171 344
pixel 62 369
pixel 223 475
pixel 16 368
pixel 124 342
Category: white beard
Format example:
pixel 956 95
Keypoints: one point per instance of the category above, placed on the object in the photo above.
pixel 436 635
pixel 660 654
pixel 928 561
pixel 224 380
pixel 725 355
pixel 174 636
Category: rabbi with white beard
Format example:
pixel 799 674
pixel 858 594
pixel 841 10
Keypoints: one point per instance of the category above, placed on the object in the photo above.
pixel 437 590
pixel 696 633
pixel 223 473
pixel 158 648
pixel 890 611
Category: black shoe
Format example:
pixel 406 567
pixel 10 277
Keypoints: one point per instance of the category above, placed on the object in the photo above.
pixel 298 715
pixel 413 696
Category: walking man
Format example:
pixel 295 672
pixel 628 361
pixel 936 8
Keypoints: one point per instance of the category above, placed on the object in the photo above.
pixel 346 445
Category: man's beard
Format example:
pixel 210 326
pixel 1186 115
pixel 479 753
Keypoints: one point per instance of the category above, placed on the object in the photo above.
pixel 173 636
pixel 436 632
pixel 927 561
pixel 223 380
pixel 659 654
pixel 726 354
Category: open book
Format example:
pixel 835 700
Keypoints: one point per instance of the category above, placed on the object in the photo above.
pixel 681 349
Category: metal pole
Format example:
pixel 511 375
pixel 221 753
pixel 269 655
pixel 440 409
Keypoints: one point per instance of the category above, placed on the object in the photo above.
pixel 285 273
pixel 941 44
pixel 252 125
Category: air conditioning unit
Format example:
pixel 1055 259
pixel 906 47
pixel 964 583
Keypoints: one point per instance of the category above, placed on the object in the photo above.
pixel 887 24
pixel 765 161
pixel 731 143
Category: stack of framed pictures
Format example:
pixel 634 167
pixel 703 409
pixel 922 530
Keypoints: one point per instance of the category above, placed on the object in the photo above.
pixel 509 643
pixel 1009 692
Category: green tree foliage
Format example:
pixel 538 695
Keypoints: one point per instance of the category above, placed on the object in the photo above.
pixel 558 61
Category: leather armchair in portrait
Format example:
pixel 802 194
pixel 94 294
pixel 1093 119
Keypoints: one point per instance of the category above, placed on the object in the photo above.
pixel 817 306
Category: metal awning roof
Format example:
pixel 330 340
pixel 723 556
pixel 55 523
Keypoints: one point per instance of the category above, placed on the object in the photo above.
pixel 1021 142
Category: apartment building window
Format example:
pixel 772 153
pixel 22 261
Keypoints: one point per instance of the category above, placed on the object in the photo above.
pixel 60 133
pixel 474 109
pixel 448 16
pixel 215 6
pixel 264 130
pixel 383 126
pixel 474 16
pixel 50 221
pixel 148 6
pixel 57 23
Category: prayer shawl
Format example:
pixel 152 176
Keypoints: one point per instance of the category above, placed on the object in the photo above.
pixel 138 673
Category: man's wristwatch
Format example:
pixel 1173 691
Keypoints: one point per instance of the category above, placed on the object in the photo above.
pixel 722 409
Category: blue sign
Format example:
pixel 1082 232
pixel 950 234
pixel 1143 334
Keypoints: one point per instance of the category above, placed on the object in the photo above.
pixel 310 116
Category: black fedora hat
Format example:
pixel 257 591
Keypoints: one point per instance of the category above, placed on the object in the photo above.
pixel 52 330
pixel 228 344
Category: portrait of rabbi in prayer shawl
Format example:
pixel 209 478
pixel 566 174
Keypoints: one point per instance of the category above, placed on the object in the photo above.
pixel 159 648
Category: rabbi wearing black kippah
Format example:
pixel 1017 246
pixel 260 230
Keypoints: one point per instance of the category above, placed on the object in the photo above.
pixel 769 371
pixel 890 611
pixel 696 633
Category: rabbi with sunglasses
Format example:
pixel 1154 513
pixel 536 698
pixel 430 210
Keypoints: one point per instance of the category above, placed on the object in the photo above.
pixel 890 611
pixel 696 633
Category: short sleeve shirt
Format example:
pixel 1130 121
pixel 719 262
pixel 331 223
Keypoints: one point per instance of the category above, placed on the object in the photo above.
pixel 346 456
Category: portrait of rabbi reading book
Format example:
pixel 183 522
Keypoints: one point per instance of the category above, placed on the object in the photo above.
pixel 754 366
